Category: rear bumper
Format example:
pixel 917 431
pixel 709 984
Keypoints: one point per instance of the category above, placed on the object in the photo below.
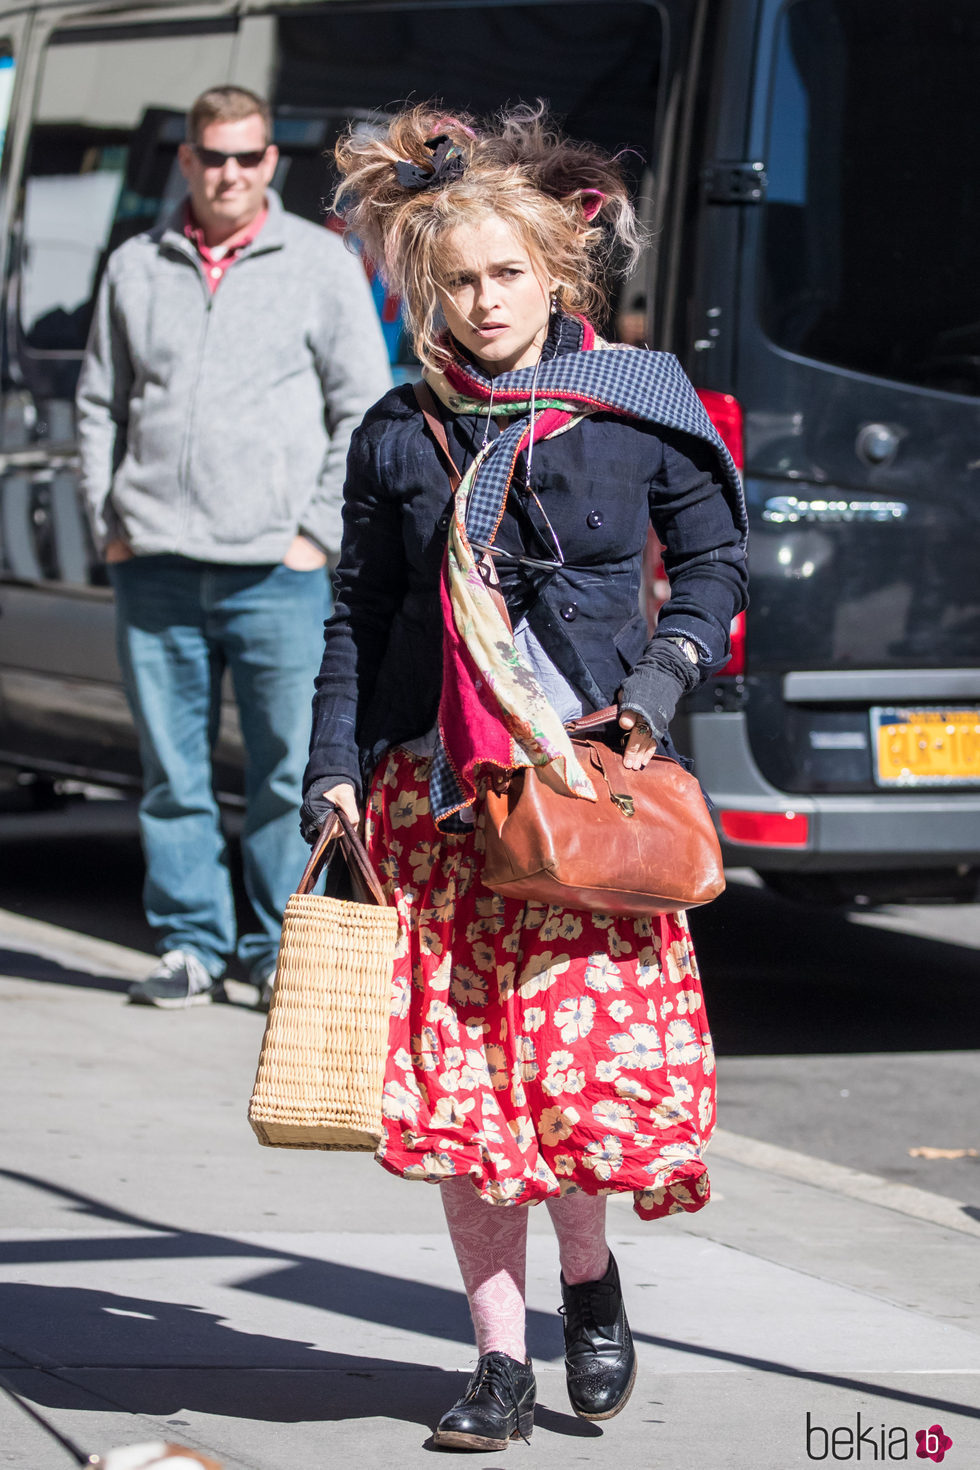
pixel 879 830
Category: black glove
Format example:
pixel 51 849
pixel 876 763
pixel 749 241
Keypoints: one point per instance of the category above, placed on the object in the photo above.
pixel 658 680
pixel 313 813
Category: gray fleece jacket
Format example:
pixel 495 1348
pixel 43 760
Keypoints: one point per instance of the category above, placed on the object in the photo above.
pixel 216 426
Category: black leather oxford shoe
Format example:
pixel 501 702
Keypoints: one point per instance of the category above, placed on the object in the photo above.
pixel 600 1360
pixel 498 1406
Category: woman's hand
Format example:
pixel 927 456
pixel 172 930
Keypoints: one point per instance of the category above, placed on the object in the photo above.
pixel 658 680
pixel 319 802
pixel 642 743
pixel 345 797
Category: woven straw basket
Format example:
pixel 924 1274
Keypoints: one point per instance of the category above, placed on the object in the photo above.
pixel 321 1069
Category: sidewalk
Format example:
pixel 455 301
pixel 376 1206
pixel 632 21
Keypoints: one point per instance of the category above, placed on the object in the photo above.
pixel 162 1276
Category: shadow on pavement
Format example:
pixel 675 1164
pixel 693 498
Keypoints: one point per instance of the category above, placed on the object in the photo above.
pixel 373 1387
pixel 79 1330
pixel 806 1375
pixel 26 966
pixel 247 1376
pixel 157 1357
pixel 371 1296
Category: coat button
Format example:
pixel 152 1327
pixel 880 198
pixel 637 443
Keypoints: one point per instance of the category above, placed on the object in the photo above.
pixel 594 519
pixel 442 523
pixel 570 612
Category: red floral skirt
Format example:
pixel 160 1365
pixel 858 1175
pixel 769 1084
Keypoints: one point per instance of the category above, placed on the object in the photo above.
pixel 537 1049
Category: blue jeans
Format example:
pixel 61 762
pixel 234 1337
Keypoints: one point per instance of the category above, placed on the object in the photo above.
pixel 180 624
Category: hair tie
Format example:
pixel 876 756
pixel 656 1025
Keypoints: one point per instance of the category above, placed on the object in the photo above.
pixel 448 164
pixel 592 202
pixel 453 122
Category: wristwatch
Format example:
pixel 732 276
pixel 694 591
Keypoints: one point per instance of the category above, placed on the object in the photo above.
pixel 685 645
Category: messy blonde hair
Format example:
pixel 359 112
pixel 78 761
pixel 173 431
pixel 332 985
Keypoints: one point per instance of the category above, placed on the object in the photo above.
pixel 566 201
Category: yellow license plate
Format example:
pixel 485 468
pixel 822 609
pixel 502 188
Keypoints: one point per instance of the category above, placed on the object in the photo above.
pixel 926 747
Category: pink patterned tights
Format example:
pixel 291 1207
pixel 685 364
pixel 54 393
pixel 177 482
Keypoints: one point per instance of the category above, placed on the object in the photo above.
pixel 490 1242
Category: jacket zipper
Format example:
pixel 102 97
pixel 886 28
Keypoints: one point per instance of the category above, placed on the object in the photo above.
pixel 183 473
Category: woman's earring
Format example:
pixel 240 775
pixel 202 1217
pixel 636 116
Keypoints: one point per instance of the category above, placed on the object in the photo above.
pixel 554 304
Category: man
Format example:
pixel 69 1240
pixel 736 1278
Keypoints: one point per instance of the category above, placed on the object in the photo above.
pixel 234 350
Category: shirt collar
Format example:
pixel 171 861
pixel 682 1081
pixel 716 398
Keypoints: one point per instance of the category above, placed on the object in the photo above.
pixel 171 231
pixel 195 234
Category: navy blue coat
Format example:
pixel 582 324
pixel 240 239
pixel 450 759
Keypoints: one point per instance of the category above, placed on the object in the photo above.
pixel 600 484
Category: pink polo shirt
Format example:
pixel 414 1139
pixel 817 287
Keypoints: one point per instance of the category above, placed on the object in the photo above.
pixel 215 266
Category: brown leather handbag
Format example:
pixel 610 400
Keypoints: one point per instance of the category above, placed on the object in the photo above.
pixel 647 845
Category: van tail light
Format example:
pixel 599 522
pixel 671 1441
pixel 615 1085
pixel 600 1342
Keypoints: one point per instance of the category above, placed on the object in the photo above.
pixel 725 412
pixel 736 664
pixel 766 829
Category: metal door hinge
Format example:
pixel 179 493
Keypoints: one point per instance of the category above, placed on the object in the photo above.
pixel 735 182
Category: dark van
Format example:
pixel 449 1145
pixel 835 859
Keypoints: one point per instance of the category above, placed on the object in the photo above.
pixel 807 170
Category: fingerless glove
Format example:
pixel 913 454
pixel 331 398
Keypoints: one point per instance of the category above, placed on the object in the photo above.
pixel 313 813
pixel 661 676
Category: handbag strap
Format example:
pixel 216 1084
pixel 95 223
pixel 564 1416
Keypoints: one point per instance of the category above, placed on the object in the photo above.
pixel 426 400
pixel 338 828
pixel 593 721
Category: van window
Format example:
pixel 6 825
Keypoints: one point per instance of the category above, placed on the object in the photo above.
pixel 101 163
pixel 870 220
pixel 597 67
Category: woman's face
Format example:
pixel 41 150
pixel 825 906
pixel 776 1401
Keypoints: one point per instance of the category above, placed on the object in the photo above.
pixel 496 302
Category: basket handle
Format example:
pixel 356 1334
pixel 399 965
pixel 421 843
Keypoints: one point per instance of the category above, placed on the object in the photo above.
pixel 338 828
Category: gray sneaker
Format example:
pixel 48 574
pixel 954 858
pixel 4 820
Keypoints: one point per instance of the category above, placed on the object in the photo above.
pixel 266 988
pixel 178 981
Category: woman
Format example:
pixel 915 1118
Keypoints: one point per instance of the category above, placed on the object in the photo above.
pixel 536 1053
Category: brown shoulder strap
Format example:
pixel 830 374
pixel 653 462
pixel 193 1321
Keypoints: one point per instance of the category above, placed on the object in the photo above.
pixel 425 398
pixel 427 403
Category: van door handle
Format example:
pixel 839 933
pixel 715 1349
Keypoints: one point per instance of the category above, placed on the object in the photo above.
pixel 877 443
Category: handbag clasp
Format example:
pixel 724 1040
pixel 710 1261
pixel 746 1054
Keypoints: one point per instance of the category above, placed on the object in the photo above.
pixel 625 803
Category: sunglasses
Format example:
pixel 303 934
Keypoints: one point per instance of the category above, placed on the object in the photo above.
pixel 549 542
pixel 214 158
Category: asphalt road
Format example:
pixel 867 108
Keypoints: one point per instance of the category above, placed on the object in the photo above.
pixel 850 1037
